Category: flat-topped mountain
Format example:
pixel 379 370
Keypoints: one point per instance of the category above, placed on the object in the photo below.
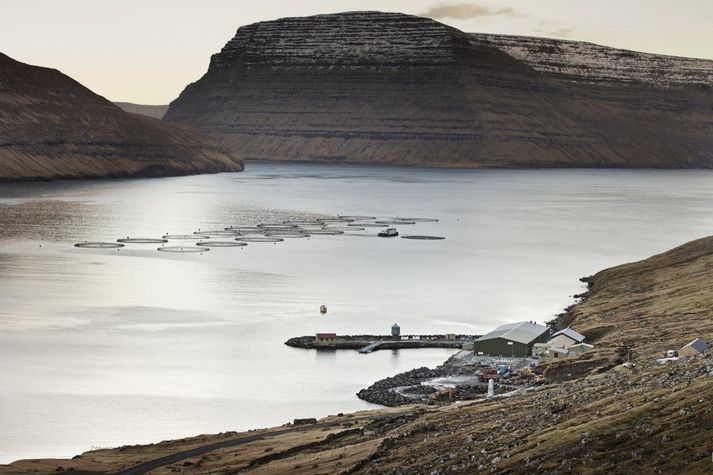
pixel 589 62
pixel 52 127
pixel 373 87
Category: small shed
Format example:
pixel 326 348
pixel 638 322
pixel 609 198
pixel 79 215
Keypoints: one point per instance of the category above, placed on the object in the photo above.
pixel 326 337
pixel 580 348
pixel 694 348
pixel 565 338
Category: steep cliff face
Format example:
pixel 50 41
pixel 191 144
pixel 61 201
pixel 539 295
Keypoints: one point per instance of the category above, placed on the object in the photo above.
pixel 390 88
pixel 589 62
pixel 52 127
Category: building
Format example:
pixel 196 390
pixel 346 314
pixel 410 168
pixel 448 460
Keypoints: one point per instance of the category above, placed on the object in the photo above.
pixel 694 348
pixel 565 338
pixel 580 348
pixel 396 331
pixel 326 337
pixel 513 339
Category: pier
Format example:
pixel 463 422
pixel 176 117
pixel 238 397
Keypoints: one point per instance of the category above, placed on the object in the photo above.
pixel 369 343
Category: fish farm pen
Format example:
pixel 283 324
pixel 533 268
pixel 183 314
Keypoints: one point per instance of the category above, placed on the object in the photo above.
pixel 240 235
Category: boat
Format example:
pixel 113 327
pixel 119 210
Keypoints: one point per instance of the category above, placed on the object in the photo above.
pixel 322 309
pixel 389 232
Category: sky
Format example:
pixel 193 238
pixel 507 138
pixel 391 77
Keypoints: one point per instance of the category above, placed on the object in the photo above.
pixel 147 51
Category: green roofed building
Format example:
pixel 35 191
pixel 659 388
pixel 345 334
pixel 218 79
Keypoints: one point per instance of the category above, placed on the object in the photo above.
pixel 513 339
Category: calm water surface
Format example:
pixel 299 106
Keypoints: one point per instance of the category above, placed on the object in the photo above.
pixel 106 347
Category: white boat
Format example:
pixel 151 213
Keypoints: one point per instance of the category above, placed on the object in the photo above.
pixel 389 232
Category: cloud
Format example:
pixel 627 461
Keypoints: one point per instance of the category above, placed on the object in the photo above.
pixel 465 11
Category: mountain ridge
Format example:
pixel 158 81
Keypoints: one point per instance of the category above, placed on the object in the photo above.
pixel 412 91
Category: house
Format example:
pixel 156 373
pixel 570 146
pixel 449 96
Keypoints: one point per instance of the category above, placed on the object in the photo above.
pixel 694 348
pixel 326 337
pixel 565 338
pixel 512 339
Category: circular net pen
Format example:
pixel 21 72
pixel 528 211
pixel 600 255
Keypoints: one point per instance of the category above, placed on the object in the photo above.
pixel 424 238
pixel 326 231
pixel 217 232
pixel 278 226
pixel 419 220
pixel 182 249
pixel 185 237
pixel 356 218
pixel 99 245
pixel 344 228
pixel 258 239
pixel 303 223
pixel 247 230
pixel 395 221
pixel 283 235
pixel 222 244
pixel 129 240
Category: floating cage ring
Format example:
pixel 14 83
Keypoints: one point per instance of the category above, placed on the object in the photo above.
pixel 129 240
pixel 182 249
pixel 98 245
pixel 356 218
pixel 222 244
pixel 424 238
pixel 217 232
pixel 258 239
pixel 287 235
pixel 395 221
pixel 332 232
pixel 297 223
pixel 187 237
pixel 343 228
pixel 277 226
pixel 419 220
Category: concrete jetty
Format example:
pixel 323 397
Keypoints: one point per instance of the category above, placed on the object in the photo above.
pixel 370 343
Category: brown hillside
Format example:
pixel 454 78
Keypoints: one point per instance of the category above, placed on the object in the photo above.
pixel 52 127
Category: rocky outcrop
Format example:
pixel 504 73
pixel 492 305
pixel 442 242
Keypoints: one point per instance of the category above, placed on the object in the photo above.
pixel 387 88
pixel 52 127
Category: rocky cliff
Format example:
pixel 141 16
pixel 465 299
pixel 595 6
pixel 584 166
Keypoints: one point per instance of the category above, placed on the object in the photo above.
pixel 52 127
pixel 376 87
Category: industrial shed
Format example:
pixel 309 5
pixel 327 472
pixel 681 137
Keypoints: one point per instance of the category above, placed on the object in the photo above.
pixel 513 339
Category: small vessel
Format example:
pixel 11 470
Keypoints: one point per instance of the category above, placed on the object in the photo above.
pixel 323 309
pixel 389 232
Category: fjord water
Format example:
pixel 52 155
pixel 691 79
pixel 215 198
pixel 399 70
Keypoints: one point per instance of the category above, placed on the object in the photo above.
pixel 106 347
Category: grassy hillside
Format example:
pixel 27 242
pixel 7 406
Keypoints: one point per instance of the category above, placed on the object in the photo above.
pixel 606 420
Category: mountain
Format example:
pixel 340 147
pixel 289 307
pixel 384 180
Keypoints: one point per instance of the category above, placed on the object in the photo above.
pixel 52 127
pixel 155 111
pixel 389 88
pixel 588 62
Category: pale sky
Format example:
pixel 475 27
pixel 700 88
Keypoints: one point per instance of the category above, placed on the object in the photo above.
pixel 147 51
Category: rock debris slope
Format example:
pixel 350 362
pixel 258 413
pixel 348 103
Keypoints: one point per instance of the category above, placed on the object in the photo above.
pixel 389 88
pixel 52 127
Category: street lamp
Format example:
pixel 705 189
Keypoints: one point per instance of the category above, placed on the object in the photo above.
pixel 513 348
